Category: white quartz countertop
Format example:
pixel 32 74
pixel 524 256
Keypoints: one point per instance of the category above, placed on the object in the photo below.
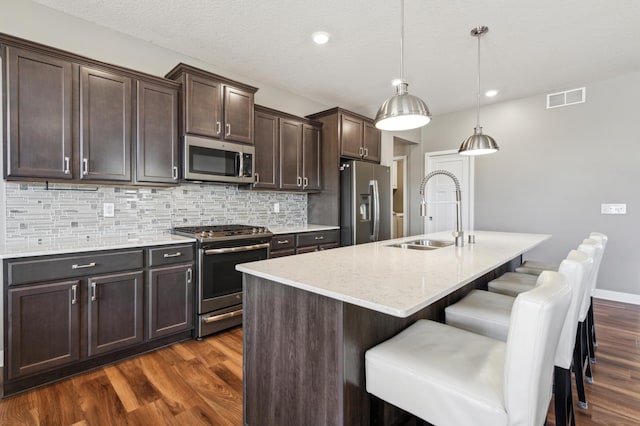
pixel 61 246
pixel 393 280
pixel 304 228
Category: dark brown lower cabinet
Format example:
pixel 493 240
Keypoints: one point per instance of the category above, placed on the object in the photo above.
pixel 114 312
pixel 44 322
pixel 170 300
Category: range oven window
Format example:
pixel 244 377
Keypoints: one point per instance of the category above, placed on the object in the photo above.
pixel 212 161
pixel 219 275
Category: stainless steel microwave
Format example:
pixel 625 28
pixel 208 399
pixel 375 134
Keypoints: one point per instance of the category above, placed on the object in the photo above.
pixel 212 160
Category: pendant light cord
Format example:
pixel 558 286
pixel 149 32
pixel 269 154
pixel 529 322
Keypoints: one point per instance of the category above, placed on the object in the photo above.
pixel 478 97
pixel 402 41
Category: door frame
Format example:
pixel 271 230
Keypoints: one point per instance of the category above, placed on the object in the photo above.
pixel 404 194
pixel 470 184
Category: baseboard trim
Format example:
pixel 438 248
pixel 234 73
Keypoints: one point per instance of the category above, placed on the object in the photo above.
pixel 617 296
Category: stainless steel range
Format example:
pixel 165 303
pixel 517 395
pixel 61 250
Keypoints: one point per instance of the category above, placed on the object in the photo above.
pixel 219 286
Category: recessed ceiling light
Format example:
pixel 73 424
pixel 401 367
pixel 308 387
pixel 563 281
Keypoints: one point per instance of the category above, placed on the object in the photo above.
pixel 396 81
pixel 491 93
pixel 320 37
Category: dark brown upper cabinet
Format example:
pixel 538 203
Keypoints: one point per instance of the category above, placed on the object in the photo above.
pixel 266 163
pixel 215 106
pixel 157 139
pixel 311 158
pixel 371 142
pixel 38 115
pixel 105 125
pixel 290 154
pixel 70 118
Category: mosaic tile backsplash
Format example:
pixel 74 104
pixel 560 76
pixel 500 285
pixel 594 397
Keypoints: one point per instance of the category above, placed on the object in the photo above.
pixel 75 212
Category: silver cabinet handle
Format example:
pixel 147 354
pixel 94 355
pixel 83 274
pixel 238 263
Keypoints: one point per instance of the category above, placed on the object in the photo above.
pixel 88 265
pixel 217 128
pixel 321 237
pixel 221 317
pixel 85 166
pixel 175 173
pixel 257 175
pixel 176 254
pixel 74 291
pixel 360 151
pixel 189 276
pixel 93 292
pixel 282 242
pixel 366 152
pixel 228 127
pixel 305 182
pixel 67 169
pixel 237 249
pixel 299 181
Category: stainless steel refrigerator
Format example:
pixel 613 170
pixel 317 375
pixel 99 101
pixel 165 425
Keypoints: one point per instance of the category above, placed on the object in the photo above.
pixel 365 202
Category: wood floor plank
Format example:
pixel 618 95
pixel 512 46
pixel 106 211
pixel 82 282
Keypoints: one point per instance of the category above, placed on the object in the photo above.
pixel 200 383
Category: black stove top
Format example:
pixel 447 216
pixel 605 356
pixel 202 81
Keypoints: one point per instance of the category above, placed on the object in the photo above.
pixel 222 232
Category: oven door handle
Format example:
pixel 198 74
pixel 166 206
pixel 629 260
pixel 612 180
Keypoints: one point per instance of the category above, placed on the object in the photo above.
pixel 221 317
pixel 237 249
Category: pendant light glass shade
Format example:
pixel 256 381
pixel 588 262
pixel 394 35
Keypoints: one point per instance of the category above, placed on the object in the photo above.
pixel 478 143
pixel 402 111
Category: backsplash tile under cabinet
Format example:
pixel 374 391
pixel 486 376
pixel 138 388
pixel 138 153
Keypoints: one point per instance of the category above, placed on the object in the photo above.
pixel 75 212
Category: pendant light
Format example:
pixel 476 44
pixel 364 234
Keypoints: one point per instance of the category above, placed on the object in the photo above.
pixel 402 111
pixel 478 143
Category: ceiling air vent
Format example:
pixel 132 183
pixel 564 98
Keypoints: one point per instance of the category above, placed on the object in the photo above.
pixel 568 97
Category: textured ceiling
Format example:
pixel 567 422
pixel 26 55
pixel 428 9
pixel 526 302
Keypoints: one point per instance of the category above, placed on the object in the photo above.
pixel 532 46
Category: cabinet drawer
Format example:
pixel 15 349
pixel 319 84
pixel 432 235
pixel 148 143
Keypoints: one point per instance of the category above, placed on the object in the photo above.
pixel 170 255
pixel 31 270
pixel 282 253
pixel 318 237
pixel 283 242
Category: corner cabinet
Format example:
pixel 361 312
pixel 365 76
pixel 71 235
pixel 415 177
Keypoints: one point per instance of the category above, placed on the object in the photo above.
pixel 287 151
pixel 70 118
pixel 214 106
pixel 70 313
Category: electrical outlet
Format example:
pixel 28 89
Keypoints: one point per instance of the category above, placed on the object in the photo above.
pixel 108 209
pixel 613 208
pixel 276 207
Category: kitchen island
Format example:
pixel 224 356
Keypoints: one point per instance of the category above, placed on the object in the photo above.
pixel 309 319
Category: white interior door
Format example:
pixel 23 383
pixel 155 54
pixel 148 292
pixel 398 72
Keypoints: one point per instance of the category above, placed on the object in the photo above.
pixel 440 191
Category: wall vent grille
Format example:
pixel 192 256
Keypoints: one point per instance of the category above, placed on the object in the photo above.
pixel 566 98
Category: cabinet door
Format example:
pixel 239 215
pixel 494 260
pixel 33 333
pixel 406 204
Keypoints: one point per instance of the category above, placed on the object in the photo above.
pixel 43 329
pixel 290 154
pixel 105 125
pixel 311 157
pixel 351 134
pixel 266 161
pixel 114 312
pixel 39 92
pixel 372 138
pixel 238 115
pixel 157 141
pixel 203 106
pixel 170 300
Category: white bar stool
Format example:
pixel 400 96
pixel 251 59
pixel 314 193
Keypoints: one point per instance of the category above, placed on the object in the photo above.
pixel 448 376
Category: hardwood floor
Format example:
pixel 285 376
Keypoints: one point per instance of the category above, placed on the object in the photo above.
pixel 200 383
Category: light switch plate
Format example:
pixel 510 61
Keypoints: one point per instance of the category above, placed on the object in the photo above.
pixel 108 209
pixel 613 208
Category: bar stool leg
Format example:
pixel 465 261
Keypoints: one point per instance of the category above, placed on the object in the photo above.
pixel 563 400
pixel 578 363
pixel 593 343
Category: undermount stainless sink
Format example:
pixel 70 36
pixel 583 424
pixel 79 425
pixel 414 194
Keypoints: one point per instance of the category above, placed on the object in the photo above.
pixel 422 244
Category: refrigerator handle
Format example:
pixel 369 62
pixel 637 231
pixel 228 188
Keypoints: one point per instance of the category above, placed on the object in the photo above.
pixel 375 235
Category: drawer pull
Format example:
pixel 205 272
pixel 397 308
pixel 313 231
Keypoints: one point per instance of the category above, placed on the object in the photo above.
pixel 321 237
pixel 88 265
pixel 282 242
pixel 221 317
pixel 177 254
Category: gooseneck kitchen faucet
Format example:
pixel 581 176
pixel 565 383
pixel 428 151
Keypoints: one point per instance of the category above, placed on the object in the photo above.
pixel 458 233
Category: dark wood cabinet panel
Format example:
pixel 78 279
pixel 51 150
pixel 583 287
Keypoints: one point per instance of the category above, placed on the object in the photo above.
pixel 371 142
pixel 115 318
pixel 238 115
pixel 290 152
pixel 157 126
pixel 311 157
pixel 39 124
pixel 351 136
pixel 266 161
pixel 43 327
pixel 105 125
pixel 170 300
pixel 203 106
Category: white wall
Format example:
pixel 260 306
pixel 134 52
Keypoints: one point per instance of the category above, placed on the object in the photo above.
pixel 554 169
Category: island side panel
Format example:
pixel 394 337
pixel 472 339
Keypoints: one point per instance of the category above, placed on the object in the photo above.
pixel 292 356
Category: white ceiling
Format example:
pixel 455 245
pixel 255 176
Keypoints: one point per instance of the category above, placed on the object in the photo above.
pixel 532 46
